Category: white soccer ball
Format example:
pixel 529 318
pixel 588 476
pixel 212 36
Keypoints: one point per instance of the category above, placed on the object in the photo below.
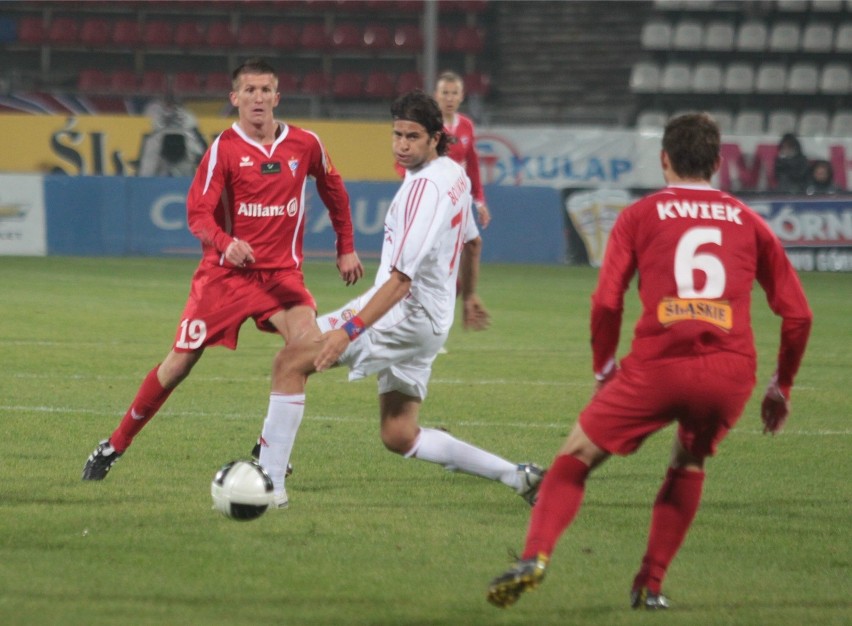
pixel 241 490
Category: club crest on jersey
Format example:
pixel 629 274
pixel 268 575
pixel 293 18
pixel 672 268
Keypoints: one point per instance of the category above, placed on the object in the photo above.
pixel 270 167
pixel 246 162
pixel 293 164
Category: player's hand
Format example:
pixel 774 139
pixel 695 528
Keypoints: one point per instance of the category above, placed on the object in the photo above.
pixel 476 317
pixel 483 214
pixel 602 381
pixel 774 409
pixel 239 253
pixel 350 268
pixel 334 343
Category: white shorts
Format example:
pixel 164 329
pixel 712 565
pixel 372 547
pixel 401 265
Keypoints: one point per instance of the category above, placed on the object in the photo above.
pixel 400 347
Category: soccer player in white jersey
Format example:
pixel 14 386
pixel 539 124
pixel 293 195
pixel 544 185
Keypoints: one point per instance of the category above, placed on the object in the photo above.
pixel 396 328
pixel 247 206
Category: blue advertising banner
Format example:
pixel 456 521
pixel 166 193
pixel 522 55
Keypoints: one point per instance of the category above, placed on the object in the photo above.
pixel 115 216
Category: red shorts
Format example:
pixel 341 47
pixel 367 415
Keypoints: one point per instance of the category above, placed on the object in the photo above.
pixel 221 299
pixel 705 395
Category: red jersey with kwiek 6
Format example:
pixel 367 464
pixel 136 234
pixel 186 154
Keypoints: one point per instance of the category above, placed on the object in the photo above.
pixel 697 251
pixel 244 190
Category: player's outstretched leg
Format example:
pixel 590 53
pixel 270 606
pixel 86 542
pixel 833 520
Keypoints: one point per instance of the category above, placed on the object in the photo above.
pixel 525 574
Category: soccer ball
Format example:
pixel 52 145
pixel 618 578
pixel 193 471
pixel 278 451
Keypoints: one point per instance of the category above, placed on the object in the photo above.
pixel 241 490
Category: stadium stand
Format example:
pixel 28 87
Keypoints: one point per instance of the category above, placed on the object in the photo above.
pixel 612 64
pixel 780 65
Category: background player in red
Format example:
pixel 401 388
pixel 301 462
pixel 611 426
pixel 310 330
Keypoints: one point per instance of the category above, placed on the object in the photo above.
pixel 246 204
pixel 449 94
pixel 697 251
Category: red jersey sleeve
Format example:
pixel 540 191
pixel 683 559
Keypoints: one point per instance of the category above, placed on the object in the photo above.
pixel 616 272
pixel 471 160
pixel 205 197
pixel 787 299
pixel 335 197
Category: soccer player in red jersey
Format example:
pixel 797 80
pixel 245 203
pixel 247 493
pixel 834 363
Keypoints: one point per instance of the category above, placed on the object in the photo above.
pixel 247 206
pixel 697 251
pixel 461 146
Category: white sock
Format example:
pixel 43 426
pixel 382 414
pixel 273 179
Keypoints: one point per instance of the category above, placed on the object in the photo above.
pixel 437 446
pixel 279 434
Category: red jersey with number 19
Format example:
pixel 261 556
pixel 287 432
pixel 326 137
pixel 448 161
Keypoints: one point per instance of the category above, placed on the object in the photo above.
pixel 256 193
pixel 697 251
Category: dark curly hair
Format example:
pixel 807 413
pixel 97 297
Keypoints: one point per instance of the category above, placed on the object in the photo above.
pixel 416 106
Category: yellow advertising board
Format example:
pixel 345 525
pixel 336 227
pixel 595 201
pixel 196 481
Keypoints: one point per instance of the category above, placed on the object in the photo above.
pixel 110 145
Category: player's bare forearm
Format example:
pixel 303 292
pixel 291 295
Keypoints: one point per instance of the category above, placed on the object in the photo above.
pixel 334 342
pixel 469 268
pixel 350 268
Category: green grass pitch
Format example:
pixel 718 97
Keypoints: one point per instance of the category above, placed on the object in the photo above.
pixel 371 538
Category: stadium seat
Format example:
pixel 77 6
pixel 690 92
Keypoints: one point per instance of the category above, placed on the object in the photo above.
pixel 314 37
pixel 31 31
pixel 469 40
pixel 784 37
pixel 817 37
pixel 739 78
pixel 347 86
pixel 477 84
pixel 126 33
pixel 219 35
pixel 124 82
pixel 719 36
pixel 652 119
pixel 446 38
pixel 407 37
pixel 153 82
pixel 92 80
pixel 95 32
pixel 379 85
pixel 748 122
pixel 724 120
pixel 656 35
pixel 288 82
pixel 688 35
pixel 218 83
pixel 189 34
pixel 644 77
pixel 252 34
pixel 347 37
pixel 841 123
pixel 752 36
pixel 315 84
pixel 63 31
pixel 158 34
pixel 835 79
pixel 812 123
pixel 284 36
pixel 771 78
pixel 187 83
pixel 407 81
pixel 792 5
pixel 377 37
pixel 781 121
pixel 803 78
pixel 843 38
pixel 707 78
pixel 830 6
pixel 676 78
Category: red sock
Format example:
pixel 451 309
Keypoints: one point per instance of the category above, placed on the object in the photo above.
pixel 149 399
pixel 559 499
pixel 674 509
